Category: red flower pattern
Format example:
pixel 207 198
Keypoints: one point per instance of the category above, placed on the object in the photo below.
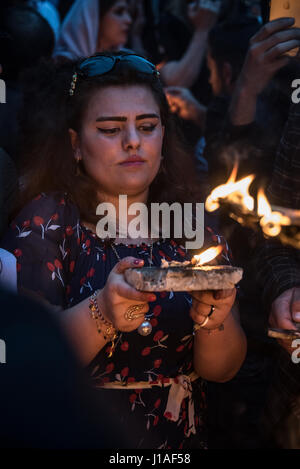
pixel 38 220
pixel 146 351
pixel 157 351
pixel 17 252
pixel 50 266
pixel 168 415
pixel 58 264
pixel 72 265
pixel 69 230
pixel 125 372
pixel 159 335
pixel 109 368
pixel 125 346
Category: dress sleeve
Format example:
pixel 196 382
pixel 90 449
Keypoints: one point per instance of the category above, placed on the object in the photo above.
pixel 38 238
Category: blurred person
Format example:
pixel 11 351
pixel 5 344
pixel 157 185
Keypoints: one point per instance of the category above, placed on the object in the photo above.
pixel 227 48
pixel 94 26
pixel 252 99
pixel 26 37
pixel 92 135
pixel 278 275
pixel 9 189
pixel 184 51
pixel 48 11
pixel 249 135
pixel 46 399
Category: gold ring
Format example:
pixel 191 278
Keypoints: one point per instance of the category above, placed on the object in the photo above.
pixel 129 314
pixel 198 325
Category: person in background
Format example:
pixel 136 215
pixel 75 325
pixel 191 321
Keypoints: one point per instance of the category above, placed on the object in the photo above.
pixel 48 10
pixel 183 60
pixel 93 26
pixel 46 399
pixel 227 48
pixel 26 38
pixel 278 275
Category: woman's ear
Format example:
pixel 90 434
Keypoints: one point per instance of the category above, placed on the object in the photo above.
pixel 74 141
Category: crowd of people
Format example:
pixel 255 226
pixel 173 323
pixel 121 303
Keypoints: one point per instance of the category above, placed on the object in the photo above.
pixel 157 100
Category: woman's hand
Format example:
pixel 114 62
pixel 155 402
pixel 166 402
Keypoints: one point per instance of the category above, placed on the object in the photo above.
pixel 117 296
pixel 285 314
pixel 203 15
pixel 266 53
pixel 221 300
pixel 182 102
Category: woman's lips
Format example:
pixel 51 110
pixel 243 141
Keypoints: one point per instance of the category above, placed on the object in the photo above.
pixel 134 161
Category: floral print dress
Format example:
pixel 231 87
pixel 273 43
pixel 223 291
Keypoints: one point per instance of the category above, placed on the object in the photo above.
pixel 64 262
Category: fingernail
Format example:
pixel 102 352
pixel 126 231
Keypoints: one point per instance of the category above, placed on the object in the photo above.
pixel 137 262
pixel 297 316
pixel 152 298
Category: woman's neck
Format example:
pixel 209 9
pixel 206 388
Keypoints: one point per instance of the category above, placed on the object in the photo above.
pixel 123 219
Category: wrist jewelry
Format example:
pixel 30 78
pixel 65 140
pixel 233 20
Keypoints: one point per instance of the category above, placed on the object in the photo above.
pixel 197 327
pixel 104 327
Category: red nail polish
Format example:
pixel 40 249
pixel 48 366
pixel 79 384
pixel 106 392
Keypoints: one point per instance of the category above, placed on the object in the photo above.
pixel 136 262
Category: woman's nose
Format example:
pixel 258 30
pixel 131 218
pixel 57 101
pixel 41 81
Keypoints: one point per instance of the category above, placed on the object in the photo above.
pixel 131 139
pixel 127 18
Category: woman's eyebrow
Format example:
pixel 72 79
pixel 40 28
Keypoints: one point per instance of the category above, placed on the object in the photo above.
pixel 147 116
pixel 111 118
pixel 124 119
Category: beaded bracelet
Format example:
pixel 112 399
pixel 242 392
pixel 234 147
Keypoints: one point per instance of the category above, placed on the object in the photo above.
pixel 106 328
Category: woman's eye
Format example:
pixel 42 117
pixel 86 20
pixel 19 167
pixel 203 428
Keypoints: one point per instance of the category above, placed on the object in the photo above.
pixel 120 11
pixel 108 131
pixel 148 128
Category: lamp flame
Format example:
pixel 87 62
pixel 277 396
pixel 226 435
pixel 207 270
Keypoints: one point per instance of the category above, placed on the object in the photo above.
pixel 236 192
pixel 208 255
pixel 271 222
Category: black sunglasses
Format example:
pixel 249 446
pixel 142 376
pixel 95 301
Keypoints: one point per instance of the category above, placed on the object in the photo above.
pixel 101 64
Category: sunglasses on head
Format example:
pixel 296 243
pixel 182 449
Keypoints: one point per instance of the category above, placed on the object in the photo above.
pixel 101 64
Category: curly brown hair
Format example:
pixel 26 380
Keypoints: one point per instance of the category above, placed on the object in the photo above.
pixel 49 163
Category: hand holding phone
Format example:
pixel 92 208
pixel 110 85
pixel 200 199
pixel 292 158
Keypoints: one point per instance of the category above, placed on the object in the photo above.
pixel 286 9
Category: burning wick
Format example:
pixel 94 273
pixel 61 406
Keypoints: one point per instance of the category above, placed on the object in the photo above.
pixel 207 256
pixel 234 192
pixel 271 222
pixel 234 195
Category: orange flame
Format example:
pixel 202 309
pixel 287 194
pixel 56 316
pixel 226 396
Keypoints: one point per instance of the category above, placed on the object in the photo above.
pixel 208 255
pixel 233 191
pixel 271 222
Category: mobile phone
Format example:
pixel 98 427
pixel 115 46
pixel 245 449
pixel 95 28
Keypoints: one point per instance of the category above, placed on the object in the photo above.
pixel 286 9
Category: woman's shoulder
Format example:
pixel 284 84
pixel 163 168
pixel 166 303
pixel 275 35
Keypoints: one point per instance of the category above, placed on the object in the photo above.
pixel 50 205
pixel 51 212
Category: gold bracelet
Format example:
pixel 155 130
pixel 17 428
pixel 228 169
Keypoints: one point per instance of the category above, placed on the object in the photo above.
pixel 198 327
pixel 106 328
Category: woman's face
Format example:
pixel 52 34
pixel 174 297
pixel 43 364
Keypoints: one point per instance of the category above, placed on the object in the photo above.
pixel 114 26
pixel 120 141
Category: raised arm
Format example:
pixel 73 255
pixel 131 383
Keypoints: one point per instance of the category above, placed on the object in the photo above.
pixel 265 57
pixel 184 72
